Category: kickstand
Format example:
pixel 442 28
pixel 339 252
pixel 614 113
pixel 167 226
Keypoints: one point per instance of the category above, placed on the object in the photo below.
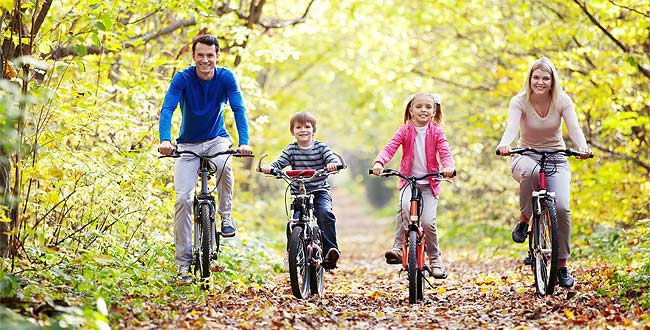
pixel 426 268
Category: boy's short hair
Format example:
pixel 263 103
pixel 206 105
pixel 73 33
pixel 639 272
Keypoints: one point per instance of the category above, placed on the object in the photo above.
pixel 301 118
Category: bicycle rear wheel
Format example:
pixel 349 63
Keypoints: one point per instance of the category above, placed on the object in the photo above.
pixel 202 242
pixel 298 266
pixel 546 236
pixel 412 266
pixel 316 271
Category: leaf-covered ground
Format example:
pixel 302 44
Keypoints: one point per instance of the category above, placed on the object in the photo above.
pixel 366 293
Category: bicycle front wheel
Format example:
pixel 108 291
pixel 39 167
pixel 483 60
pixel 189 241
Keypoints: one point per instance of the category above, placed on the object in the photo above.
pixel 316 272
pixel 202 242
pixel 546 236
pixel 298 264
pixel 412 266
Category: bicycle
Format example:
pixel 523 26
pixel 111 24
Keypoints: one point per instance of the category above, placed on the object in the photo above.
pixel 304 243
pixel 544 241
pixel 206 237
pixel 414 242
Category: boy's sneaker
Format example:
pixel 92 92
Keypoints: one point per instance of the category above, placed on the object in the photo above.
pixel 393 256
pixel 228 228
pixel 331 258
pixel 184 274
pixel 437 270
pixel 520 233
pixel 564 278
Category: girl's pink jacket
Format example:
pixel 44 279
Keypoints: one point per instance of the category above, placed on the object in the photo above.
pixel 435 143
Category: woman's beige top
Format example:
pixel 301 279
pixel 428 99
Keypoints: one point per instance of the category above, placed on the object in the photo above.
pixel 542 132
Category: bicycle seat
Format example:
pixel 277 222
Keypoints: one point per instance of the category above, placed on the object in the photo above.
pixel 294 173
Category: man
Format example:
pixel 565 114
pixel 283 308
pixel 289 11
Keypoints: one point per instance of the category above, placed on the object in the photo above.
pixel 202 91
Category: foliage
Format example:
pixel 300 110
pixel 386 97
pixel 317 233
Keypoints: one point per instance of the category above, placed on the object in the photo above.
pixel 89 192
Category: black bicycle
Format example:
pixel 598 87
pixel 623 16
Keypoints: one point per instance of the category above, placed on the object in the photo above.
pixel 304 240
pixel 206 237
pixel 414 242
pixel 544 241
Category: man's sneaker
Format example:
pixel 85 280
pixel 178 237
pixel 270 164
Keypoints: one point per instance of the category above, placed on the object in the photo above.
pixel 184 274
pixel 520 233
pixel 331 258
pixel 564 278
pixel 437 269
pixel 393 256
pixel 228 227
pixel 285 261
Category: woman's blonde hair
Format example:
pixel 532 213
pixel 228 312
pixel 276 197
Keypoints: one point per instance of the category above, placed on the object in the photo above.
pixel 437 116
pixel 546 65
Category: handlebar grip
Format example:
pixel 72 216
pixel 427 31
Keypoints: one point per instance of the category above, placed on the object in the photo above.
pixel 370 172
pixel 340 167
pixel 453 174
pixel 498 152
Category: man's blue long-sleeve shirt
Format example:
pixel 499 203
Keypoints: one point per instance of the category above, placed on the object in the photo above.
pixel 202 106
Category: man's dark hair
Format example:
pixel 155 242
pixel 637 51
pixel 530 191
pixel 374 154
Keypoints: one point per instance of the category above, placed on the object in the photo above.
pixel 206 40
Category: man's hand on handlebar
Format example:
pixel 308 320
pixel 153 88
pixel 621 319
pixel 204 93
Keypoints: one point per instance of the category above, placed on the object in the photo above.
pixel 245 149
pixel 166 148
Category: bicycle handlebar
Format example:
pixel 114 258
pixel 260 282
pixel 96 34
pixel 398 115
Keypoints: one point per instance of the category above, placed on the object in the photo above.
pixel 301 174
pixel 392 172
pixel 566 152
pixel 177 153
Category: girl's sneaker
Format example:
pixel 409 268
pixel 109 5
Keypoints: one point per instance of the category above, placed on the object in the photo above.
pixel 393 256
pixel 437 269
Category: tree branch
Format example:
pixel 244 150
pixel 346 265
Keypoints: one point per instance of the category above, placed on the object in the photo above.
pixel 623 156
pixel 630 9
pixel 645 71
pixel 41 17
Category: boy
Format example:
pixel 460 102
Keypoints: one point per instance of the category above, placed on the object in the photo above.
pixel 307 153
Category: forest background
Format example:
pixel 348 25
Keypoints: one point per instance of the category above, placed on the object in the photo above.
pixel 87 205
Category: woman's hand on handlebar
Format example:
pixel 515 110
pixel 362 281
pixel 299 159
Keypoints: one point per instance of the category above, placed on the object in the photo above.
pixel 586 152
pixel 166 148
pixel 377 169
pixel 503 150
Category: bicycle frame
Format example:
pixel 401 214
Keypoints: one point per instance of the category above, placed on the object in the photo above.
pixel 304 244
pixel 202 253
pixel 543 242
pixel 414 225
pixel 414 235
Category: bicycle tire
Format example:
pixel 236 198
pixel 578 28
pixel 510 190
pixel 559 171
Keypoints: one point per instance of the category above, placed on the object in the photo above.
pixel 316 272
pixel 412 266
pixel 420 277
pixel 204 255
pixel 298 266
pixel 546 235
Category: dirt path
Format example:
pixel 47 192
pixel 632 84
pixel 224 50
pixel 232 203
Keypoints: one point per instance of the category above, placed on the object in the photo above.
pixel 365 293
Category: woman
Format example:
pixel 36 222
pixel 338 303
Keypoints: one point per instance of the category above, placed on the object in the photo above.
pixel 537 113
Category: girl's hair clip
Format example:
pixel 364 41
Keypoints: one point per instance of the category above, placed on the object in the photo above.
pixel 436 98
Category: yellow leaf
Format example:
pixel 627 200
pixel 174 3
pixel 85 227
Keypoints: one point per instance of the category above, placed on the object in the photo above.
pixel 569 314
pixel 7 4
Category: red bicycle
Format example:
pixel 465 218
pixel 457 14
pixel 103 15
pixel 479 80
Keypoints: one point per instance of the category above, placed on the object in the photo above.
pixel 414 243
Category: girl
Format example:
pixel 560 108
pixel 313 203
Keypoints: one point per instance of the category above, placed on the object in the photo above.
pixel 424 145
